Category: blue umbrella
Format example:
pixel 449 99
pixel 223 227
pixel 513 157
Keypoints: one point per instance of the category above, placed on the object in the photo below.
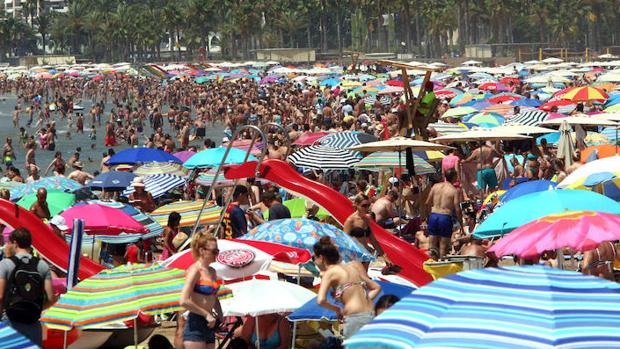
pixel 533 206
pixel 510 307
pixel 112 180
pixel 527 188
pixel 311 311
pixel 53 182
pixel 12 339
pixel 304 233
pixel 213 157
pixel 527 102
pixel 332 82
pixel 552 138
pixel 141 155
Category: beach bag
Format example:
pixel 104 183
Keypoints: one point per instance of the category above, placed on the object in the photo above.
pixel 24 294
pixel 179 239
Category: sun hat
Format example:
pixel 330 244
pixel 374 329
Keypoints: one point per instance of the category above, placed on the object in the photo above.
pixel 59 222
pixel 137 182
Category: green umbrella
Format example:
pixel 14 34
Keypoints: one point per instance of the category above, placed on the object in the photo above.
pixel 57 201
pixel 297 207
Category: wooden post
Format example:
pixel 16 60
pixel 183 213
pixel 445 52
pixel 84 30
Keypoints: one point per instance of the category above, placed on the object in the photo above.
pixel 587 55
pixel 540 53
pixel 519 54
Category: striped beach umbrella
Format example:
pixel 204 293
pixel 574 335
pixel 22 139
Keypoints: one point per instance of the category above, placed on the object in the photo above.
pixel 188 211
pixel 585 94
pixel 485 119
pixel 159 184
pixel 388 160
pixel 445 128
pixel 153 168
pixel 118 294
pixel 12 339
pixel 345 140
pixel 529 118
pixel 509 307
pixel 320 157
pixel 53 182
pixel 458 112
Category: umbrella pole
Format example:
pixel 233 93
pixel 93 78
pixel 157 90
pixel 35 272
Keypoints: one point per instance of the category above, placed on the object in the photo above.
pixel 135 332
pixel 64 340
pixel 295 322
pixel 92 248
pixel 257 343
pixel 559 255
pixel 400 193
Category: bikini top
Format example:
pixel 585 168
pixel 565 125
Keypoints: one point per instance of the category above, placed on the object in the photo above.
pixel 358 232
pixel 206 286
pixel 339 290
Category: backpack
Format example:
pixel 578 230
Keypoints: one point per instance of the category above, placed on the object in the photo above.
pixel 24 293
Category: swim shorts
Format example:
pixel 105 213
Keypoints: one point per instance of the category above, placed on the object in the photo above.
pixel 197 330
pixel 440 224
pixel 486 178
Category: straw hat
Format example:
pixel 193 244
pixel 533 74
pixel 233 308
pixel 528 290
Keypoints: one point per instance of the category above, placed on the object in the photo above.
pixel 137 182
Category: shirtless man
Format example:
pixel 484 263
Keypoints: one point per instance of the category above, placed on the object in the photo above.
pixel 385 213
pixel 78 175
pixel 485 176
pixel 275 151
pixel 34 173
pixel 39 207
pixel 444 199
pixel 600 261
pixel 8 153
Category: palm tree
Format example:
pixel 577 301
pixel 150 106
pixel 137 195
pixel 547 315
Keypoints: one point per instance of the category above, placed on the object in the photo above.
pixel 43 22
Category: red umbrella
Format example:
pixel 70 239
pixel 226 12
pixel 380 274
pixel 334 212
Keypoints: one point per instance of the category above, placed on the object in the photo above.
pixel 504 98
pixel 493 86
pixel 103 220
pixel 397 83
pixel 506 80
pixel 557 103
pixel 310 138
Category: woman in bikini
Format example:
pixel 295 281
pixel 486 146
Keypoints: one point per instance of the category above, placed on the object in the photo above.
pixel 351 287
pixel 357 224
pixel 600 261
pixel 199 295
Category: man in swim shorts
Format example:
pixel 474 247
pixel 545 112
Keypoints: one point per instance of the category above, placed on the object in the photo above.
pixel 485 176
pixel 444 199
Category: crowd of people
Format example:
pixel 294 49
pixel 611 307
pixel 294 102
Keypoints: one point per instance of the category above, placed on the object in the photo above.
pixel 436 213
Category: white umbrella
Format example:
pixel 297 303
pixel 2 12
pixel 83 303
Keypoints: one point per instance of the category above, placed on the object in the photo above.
pixel 565 145
pixel 552 60
pixel 610 164
pixel 523 129
pixel 398 144
pixel 480 134
pixel 579 120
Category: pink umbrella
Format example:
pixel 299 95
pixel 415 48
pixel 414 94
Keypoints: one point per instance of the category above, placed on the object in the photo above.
pixel 103 220
pixel 579 230
pixel 309 138
pixel 184 155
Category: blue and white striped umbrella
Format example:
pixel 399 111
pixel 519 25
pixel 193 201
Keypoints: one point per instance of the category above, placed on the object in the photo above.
pixel 159 184
pixel 611 133
pixel 510 307
pixel 529 118
pixel 321 157
pixel 11 339
pixel 346 140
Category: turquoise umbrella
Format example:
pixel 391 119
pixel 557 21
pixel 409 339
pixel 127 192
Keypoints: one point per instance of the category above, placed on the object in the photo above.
pixel 304 233
pixel 213 157
pixel 530 207
pixel 54 182
pixel 57 201
pixel 12 339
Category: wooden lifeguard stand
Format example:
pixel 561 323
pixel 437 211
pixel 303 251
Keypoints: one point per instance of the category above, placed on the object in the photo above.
pixel 411 102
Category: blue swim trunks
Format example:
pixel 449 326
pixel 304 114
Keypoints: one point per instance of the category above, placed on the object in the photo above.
pixel 486 178
pixel 440 224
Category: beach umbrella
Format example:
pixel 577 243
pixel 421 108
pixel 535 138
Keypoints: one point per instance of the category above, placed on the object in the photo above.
pixel 49 183
pixel 388 90
pixel 398 144
pixel 321 157
pixel 345 140
pixel 189 212
pixel 583 120
pixel 444 128
pixel 523 129
pixel 304 233
pixel 103 220
pixel 577 177
pixel 504 220
pixel 562 104
pixel 57 201
pixel 430 155
pixel 379 161
pixel 493 86
pixel 462 99
pixel 111 180
pixel 527 188
pixel 505 98
pixel 479 135
pixel 606 183
pixel 527 102
pixel 141 156
pixel 508 307
pixel 585 94
pixel 244 144
pixel 458 112
pixel 331 82
pixel 310 138
pixel 213 157
pixel 529 118
pixel 184 155
pixel 242 258
pixel 448 93
pixel 599 152
pixel 298 208
pixel 485 119
pixel 158 184
pixel 565 145
pixel 156 168
pixel 154 229
pixel 579 230
pixel 312 311
pixel 116 295
pixel 12 339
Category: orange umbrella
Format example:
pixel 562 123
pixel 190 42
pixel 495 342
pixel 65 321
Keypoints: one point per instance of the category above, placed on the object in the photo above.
pixel 584 94
pixel 602 151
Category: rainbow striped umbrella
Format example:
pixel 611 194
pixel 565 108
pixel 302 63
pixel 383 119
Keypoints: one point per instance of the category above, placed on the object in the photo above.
pixel 12 339
pixel 584 94
pixel 485 119
pixel 152 168
pixel 389 160
pixel 118 294
pixel 189 212
pixel 509 307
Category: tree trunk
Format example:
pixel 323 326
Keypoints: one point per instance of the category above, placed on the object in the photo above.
pixel 338 33
pixel 309 36
pixel 407 24
pixel 418 9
